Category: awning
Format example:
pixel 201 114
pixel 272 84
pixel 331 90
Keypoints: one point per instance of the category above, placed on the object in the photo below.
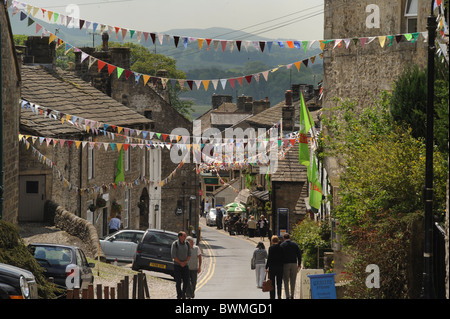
pixel 261 195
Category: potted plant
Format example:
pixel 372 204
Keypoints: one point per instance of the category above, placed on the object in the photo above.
pixel 116 207
pixel 100 202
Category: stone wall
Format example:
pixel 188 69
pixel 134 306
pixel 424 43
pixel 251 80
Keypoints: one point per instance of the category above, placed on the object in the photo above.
pixel 10 73
pixel 76 226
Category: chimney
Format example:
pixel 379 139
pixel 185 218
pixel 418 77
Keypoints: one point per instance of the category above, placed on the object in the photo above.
pixel 288 112
pixel 39 51
pixel 105 38
pixel 242 103
pixel 259 106
pixel 218 99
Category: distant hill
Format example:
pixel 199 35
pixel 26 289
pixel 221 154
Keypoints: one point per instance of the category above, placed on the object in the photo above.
pixel 211 64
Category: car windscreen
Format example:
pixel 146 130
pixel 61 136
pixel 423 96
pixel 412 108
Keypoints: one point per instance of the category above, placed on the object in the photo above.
pixel 55 256
pixel 159 238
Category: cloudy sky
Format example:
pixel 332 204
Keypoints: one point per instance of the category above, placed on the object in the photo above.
pixel 281 19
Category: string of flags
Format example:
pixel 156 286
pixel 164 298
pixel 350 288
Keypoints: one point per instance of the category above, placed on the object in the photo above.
pixel 141 137
pixel 154 80
pixel 96 188
pixel 66 20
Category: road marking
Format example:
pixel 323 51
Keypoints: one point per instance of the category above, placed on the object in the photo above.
pixel 210 268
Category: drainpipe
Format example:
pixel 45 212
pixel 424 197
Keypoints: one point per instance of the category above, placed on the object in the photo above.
pixel 427 281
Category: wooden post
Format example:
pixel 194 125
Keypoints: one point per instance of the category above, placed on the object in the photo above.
pixel 90 291
pixel 147 292
pixel 119 290
pixel 113 293
pixel 134 286
pixel 99 291
pixel 140 286
pixel 84 293
pixel 106 291
pixel 126 287
pixel 76 293
pixel 69 294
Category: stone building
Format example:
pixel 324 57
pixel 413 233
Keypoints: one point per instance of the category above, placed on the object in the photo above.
pixel 288 183
pixel 360 72
pixel 9 121
pixel 74 175
pixel 174 205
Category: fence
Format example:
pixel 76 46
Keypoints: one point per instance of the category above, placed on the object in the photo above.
pixel 121 291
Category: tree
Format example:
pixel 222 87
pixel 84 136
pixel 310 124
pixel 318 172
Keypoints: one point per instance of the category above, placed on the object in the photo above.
pixel 380 193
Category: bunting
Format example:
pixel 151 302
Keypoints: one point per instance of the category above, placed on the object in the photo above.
pixel 261 46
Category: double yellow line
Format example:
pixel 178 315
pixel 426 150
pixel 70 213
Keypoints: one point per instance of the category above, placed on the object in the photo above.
pixel 208 252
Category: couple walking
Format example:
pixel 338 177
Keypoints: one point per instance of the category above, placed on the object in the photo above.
pixel 283 263
pixel 187 259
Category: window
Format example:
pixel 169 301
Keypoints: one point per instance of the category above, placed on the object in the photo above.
pixel 411 15
pixel 126 208
pixel 32 187
pixel 126 160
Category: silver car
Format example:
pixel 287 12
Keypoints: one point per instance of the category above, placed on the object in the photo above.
pixel 121 245
pixel 211 217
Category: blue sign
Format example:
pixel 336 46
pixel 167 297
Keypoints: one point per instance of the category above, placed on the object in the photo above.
pixel 322 286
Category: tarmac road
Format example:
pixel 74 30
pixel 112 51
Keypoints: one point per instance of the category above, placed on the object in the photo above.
pixel 226 273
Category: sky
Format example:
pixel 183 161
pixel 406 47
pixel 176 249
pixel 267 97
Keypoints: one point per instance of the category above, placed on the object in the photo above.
pixel 280 19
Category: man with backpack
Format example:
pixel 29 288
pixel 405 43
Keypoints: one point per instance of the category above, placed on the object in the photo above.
pixel 181 253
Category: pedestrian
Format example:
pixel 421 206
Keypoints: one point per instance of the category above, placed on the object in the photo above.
pixel 195 266
pixel 263 225
pixel 114 224
pixel 206 207
pixel 181 254
pixel 259 257
pixel 274 266
pixel 251 227
pixel 219 217
pixel 292 263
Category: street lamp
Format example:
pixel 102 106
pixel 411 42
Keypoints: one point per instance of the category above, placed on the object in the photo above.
pixel 427 280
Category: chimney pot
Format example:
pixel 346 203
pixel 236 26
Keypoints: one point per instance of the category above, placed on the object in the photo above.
pixel 288 97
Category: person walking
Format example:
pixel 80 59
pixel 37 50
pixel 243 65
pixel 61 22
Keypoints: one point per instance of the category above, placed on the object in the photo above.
pixel 274 266
pixel 114 224
pixel 292 263
pixel 263 225
pixel 260 256
pixel 219 217
pixel 251 224
pixel 181 254
pixel 195 266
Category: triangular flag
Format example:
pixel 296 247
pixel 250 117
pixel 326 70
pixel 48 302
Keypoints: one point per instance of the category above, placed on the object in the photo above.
pixel 101 64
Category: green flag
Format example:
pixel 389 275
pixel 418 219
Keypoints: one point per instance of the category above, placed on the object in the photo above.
pixel 315 196
pixel 305 126
pixel 120 177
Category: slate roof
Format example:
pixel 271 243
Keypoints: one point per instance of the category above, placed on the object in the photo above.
pixel 289 169
pixel 64 92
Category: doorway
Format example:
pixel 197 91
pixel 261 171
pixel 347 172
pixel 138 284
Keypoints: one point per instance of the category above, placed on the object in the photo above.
pixel 32 196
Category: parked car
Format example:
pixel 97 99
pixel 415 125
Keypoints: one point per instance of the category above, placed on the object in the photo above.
pixel 121 245
pixel 60 262
pixel 211 217
pixel 153 251
pixel 17 283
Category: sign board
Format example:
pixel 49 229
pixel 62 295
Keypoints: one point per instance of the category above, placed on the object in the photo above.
pixel 323 286
pixel 305 285
pixel 283 221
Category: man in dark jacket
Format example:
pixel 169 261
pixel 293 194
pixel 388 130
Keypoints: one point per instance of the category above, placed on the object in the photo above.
pixel 292 263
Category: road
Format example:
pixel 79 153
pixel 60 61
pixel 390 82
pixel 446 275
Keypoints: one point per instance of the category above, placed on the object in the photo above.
pixel 227 273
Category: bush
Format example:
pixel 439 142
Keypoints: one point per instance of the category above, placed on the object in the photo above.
pixel 13 251
pixel 310 237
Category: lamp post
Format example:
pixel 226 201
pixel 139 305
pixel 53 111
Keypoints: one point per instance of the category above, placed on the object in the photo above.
pixel 427 280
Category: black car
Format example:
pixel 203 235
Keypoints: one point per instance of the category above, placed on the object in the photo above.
pixel 67 265
pixel 17 283
pixel 153 251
